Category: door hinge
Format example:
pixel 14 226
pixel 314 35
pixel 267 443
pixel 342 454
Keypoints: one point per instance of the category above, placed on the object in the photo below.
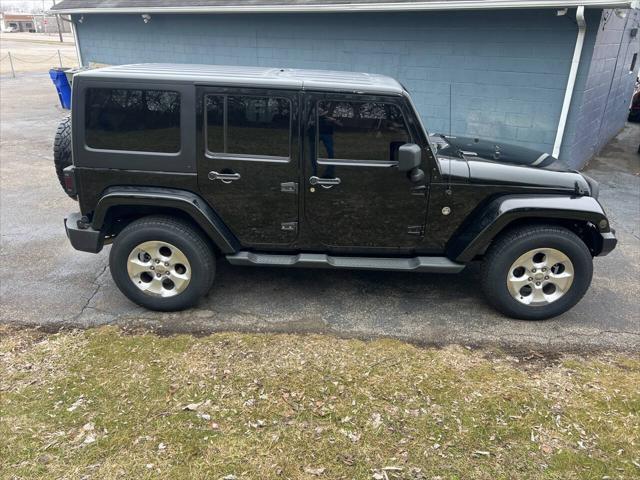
pixel 289 187
pixel 415 230
pixel 419 190
pixel 289 226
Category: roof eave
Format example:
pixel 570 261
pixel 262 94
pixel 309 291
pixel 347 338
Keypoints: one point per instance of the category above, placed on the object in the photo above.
pixel 359 7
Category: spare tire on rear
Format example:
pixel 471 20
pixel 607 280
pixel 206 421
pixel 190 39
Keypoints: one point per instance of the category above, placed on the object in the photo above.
pixel 62 149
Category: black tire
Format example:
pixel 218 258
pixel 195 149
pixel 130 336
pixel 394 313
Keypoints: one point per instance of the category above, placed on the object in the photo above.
pixel 62 149
pixel 175 232
pixel 507 248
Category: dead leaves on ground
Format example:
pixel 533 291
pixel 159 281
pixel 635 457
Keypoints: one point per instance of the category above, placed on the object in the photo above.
pixel 307 407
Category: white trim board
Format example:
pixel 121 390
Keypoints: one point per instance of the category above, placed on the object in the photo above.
pixel 241 7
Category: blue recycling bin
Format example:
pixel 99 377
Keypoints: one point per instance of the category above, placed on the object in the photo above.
pixel 61 83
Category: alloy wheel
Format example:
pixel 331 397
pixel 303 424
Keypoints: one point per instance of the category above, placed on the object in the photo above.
pixel 159 269
pixel 540 277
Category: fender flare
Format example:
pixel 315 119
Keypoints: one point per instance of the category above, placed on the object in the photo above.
pixel 188 202
pixel 479 229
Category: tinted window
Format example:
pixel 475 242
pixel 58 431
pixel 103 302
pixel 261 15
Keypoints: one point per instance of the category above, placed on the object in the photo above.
pixel 255 125
pixel 138 120
pixel 360 130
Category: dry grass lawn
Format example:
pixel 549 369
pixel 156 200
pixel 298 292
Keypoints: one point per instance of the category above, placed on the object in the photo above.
pixel 108 404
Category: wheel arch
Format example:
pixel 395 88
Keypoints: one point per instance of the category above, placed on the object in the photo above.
pixel 119 206
pixel 582 215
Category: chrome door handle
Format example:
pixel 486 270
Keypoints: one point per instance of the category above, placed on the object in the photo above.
pixel 224 177
pixel 324 181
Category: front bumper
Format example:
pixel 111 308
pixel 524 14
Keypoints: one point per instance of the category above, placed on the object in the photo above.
pixel 83 238
pixel 609 242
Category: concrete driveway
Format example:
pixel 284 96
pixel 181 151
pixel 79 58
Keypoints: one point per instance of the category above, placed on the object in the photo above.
pixel 43 281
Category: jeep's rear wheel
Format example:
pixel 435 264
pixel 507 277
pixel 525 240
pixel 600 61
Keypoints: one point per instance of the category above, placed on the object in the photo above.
pixel 162 263
pixel 159 268
pixel 537 272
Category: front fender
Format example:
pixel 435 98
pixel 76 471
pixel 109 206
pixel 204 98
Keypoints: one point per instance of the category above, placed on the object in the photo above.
pixel 188 202
pixel 478 231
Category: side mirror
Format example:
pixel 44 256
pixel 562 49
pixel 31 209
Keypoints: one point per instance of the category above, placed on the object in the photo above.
pixel 409 157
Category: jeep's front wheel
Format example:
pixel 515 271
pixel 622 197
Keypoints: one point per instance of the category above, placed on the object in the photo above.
pixel 162 263
pixel 537 272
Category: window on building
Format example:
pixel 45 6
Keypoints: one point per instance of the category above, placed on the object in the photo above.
pixel 255 126
pixel 360 130
pixel 132 120
pixel 634 59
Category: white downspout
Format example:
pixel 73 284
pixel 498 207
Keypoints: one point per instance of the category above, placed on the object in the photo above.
pixel 75 35
pixel 573 73
pixel 75 39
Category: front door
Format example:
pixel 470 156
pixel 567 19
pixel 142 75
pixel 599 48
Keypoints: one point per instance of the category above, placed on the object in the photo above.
pixel 355 196
pixel 248 161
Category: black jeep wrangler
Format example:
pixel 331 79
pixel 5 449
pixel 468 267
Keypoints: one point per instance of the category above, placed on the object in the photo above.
pixel 176 165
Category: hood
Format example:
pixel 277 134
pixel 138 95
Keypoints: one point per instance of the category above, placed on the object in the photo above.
pixel 481 149
pixel 489 162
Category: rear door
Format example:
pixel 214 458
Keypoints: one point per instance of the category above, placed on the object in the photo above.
pixel 248 161
pixel 355 197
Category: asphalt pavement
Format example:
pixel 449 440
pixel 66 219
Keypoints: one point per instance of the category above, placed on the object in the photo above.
pixel 44 282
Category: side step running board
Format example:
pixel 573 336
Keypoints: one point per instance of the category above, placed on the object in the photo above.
pixel 415 264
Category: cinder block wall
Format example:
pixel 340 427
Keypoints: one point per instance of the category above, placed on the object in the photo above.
pixel 498 74
pixel 604 87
